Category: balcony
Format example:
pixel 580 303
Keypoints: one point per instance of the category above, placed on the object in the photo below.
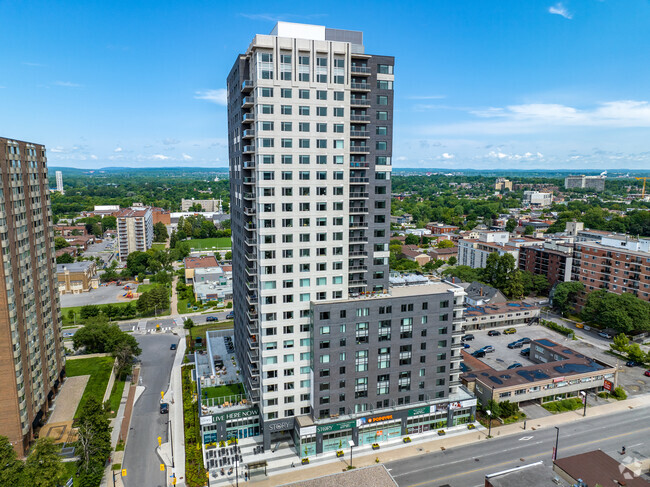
pixel 356 164
pixel 360 148
pixel 249 180
pixel 249 196
pixel 455 383
pixel 248 133
pixel 360 86
pixel 361 102
pixel 359 195
pixel 358 253
pixel 247 101
pixel 251 256
pixel 247 85
pixel 363 70
pixel 359 282
pixel 250 241
pixel 249 164
pixel 359 134
pixel 249 211
pixel 358 210
pixel 248 117
pixel 251 271
pixel 358 225
pixel 358 268
pixel 358 240
pixel 360 180
pixel 360 118
pixel 248 149
pixel 252 300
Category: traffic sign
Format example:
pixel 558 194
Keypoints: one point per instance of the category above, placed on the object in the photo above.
pixel 162 467
pixel 608 385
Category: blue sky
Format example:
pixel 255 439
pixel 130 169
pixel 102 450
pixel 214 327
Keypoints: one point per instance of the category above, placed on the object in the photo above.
pixel 479 83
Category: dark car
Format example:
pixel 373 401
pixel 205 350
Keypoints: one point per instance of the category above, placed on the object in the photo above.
pixel 647 373
pixel 631 363
pixel 525 352
pixel 465 345
pixel 478 353
pixel 494 333
pixel 524 340
pixel 467 338
pixel 211 318
pixel 173 346
pixel 230 315
pixel 515 345
pixel 515 366
pixel 164 408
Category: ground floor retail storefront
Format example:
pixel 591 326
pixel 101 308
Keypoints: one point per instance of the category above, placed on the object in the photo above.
pixel 326 436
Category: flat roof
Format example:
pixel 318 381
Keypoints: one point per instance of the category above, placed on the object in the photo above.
pixel 203 261
pixel 375 476
pixel 572 363
pixel 431 287
pixel 536 474
pixel 74 266
pixel 598 468
pixel 497 308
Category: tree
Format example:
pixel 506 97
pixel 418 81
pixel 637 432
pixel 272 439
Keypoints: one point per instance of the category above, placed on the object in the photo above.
pixel 635 353
pixel 64 259
pixel 60 243
pixel 188 323
pixel 43 466
pixel 511 224
pixel 445 244
pixel 196 207
pixel 228 255
pixel 11 468
pixel 100 337
pixel 159 232
pixel 94 436
pixel 412 239
pixel 217 255
pixel 621 343
pixel 622 312
pixel 452 260
pixel 565 295
pixel 513 287
pixel 529 230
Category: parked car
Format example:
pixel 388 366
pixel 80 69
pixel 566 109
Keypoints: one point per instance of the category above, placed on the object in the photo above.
pixel 515 366
pixel 509 331
pixel 164 408
pixel 173 346
pixel 525 352
pixel 488 348
pixel 494 333
pixel 465 345
pixel 647 373
pixel 580 325
pixel 211 318
pixel 467 338
pixel 478 353
pixel 631 363
pixel 604 334
pixel 515 345
pixel 230 315
pixel 524 340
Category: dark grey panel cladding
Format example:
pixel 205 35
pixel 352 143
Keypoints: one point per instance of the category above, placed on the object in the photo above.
pixel 377 199
pixel 337 378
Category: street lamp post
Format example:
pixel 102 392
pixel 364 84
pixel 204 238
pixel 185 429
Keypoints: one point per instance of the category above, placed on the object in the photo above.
pixel 236 465
pixel 584 400
pixel 489 414
pixel 351 445
pixel 557 437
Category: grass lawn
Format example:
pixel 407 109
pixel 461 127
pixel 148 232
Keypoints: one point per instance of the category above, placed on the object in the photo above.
pixel 570 404
pixel 71 471
pixel 143 288
pixel 200 330
pixel 158 245
pixel 77 311
pixel 222 391
pixel 116 396
pixel 210 243
pixel 99 369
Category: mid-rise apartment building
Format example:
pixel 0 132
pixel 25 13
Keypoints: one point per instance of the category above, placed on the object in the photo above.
pixel 213 206
pixel 617 263
pixel 310 142
pixel 32 358
pixel 555 261
pixel 597 183
pixel 134 230
pixel 537 199
pixel 503 184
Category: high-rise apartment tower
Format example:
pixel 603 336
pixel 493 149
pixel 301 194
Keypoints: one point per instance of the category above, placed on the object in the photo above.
pixel 31 346
pixel 310 122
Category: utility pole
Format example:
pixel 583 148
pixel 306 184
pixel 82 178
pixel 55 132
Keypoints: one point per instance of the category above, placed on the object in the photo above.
pixel 584 400
pixel 557 437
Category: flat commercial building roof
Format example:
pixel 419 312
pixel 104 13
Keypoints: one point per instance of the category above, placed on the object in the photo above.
pixel 375 476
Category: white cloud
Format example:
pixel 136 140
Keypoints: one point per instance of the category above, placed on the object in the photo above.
pixel 170 141
pixel 447 155
pixel 159 157
pixel 187 157
pixel 57 149
pixel 93 157
pixel 117 149
pixel 401 158
pixel 560 9
pixel 220 96
pixel 67 84
pixel 33 65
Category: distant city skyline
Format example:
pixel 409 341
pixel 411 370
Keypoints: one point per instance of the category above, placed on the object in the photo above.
pixel 483 85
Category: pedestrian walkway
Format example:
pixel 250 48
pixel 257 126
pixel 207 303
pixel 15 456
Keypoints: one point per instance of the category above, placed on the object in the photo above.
pixel 67 400
pixel 420 447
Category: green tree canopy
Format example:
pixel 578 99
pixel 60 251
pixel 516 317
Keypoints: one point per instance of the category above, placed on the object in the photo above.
pixel 565 295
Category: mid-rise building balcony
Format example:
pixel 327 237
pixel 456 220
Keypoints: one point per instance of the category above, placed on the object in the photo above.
pixel 249 180
pixel 360 102
pixel 358 253
pixel 251 256
pixel 248 133
pixel 358 225
pixel 249 149
pixel 359 210
pixel 246 85
pixel 359 195
pixel 357 283
pixel 359 164
pixel 359 134
pixel 360 118
pixel 357 240
pixel 358 268
pixel 251 270
pixel 250 241
pixel 360 148
pixel 249 196
pixel 361 70
pixel 249 164
pixel 248 117
pixel 359 180
pixel 360 86
pixel 247 101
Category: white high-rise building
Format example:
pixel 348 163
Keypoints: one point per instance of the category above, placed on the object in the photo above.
pixel 59 182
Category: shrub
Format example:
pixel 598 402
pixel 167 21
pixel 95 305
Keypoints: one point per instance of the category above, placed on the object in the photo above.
pixel 559 328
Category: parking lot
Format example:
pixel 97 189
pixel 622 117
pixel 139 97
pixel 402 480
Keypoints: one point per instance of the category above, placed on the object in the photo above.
pixel 101 295
pixel 105 250
pixel 630 378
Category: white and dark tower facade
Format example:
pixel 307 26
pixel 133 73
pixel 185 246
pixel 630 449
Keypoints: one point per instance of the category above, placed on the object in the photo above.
pixel 310 142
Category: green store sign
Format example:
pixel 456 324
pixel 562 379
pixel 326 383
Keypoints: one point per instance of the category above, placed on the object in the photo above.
pixel 242 413
pixel 328 428
pixel 418 411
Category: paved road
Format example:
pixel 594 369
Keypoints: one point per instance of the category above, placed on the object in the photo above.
pixel 467 466
pixel 147 424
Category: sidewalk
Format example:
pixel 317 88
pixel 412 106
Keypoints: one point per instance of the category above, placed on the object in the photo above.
pixel 172 453
pixel 420 448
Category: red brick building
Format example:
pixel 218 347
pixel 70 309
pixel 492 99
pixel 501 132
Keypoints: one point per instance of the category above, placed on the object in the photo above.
pixel 440 228
pixel 554 264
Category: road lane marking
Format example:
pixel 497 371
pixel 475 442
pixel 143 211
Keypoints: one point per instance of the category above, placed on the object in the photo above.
pixel 528 457
pixel 525 438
